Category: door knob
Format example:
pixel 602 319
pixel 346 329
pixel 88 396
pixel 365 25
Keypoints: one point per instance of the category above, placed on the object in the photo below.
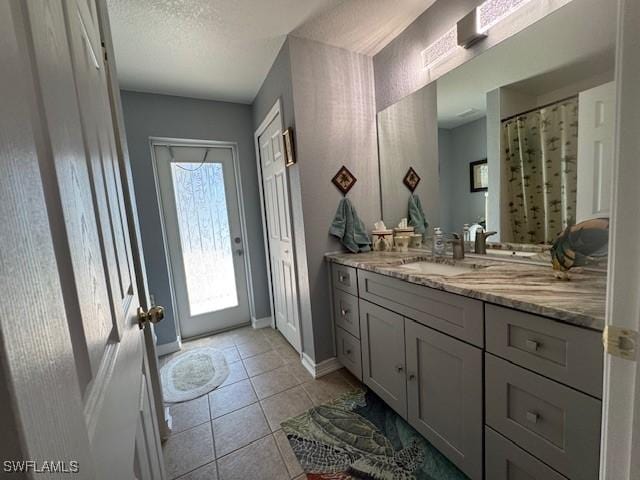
pixel 412 376
pixel 153 315
pixel 399 368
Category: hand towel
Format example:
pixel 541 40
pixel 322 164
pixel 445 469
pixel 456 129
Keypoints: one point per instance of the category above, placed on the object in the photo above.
pixel 416 215
pixel 348 227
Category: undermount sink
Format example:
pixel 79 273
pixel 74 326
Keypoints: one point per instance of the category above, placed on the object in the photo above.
pixel 432 268
pixel 511 253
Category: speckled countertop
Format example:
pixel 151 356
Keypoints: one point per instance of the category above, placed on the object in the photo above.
pixel 528 287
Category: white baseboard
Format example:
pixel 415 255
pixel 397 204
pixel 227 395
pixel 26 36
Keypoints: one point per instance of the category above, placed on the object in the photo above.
pixel 321 369
pixel 261 322
pixel 167 348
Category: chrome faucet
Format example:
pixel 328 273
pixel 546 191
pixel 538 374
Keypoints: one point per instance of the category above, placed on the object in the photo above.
pixel 481 241
pixel 458 246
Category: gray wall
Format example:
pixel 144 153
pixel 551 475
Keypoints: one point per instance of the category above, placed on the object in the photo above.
pixel 334 108
pixel 147 115
pixel 463 145
pixel 408 137
pixel 328 93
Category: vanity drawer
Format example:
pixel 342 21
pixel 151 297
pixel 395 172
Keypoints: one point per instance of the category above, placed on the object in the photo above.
pixel 566 353
pixel 345 312
pixel 555 423
pixel 504 460
pixel 344 278
pixel 349 353
pixel 455 315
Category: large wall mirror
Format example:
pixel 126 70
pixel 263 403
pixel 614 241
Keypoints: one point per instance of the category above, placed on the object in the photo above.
pixel 538 107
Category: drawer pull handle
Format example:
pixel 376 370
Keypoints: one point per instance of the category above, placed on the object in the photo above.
pixel 532 345
pixel 399 368
pixel 342 278
pixel 348 351
pixel 343 312
pixel 412 376
pixel 532 417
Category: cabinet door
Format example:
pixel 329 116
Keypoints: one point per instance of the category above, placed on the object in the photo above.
pixel 383 365
pixel 444 392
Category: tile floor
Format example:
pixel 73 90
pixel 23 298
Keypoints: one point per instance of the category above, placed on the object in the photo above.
pixel 233 433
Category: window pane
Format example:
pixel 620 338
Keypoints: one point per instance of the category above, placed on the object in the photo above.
pixel 203 224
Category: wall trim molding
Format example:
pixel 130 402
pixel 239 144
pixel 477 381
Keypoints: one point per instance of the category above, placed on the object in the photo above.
pixel 263 322
pixel 321 369
pixel 171 347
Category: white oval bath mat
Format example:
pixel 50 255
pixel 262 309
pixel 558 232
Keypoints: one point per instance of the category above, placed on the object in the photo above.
pixel 193 374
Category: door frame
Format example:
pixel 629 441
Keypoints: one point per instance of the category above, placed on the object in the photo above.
pixel 274 111
pixel 233 146
pixel 620 443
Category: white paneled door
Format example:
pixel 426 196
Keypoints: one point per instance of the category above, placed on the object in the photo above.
pixel 76 381
pixel 202 227
pixel 596 137
pixel 280 242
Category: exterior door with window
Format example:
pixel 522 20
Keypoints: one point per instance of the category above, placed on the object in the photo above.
pixel 200 206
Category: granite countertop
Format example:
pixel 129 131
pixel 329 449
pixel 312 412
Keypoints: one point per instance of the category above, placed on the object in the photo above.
pixel 528 287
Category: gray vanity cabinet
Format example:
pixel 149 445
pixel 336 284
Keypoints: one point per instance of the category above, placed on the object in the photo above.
pixel 444 392
pixel 506 461
pixel 383 362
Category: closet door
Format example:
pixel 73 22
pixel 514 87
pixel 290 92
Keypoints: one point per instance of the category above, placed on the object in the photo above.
pixel 444 393
pixel 383 365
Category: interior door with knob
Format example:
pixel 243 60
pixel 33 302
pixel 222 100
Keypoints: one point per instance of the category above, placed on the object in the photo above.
pixel 203 234
pixel 78 383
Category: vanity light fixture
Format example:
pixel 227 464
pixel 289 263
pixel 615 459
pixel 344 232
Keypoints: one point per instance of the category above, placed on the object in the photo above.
pixel 491 12
pixel 441 48
pixel 468 33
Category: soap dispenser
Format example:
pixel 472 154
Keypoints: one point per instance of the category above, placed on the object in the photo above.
pixel 438 242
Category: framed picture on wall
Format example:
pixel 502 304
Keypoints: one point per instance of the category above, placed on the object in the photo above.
pixel 289 154
pixel 479 175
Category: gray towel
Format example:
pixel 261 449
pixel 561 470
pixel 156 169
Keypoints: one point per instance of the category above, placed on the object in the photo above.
pixel 348 227
pixel 417 217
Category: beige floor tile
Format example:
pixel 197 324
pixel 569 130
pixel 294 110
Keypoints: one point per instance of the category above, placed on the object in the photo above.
pixel 258 461
pixel 283 405
pixel 247 334
pixel 262 363
pixel 275 381
pixel 327 388
pixel 208 472
pixel 254 347
pixel 237 372
pixel 351 379
pixel 233 397
pixel 290 460
pixel 231 354
pixel 189 414
pixel 270 333
pixel 301 373
pixel 188 450
pixel 288 353
pixel 238 429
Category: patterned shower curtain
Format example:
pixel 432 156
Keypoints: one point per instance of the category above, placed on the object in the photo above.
pixel 539 172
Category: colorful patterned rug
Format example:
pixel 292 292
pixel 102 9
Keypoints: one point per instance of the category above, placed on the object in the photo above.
pixel 357 436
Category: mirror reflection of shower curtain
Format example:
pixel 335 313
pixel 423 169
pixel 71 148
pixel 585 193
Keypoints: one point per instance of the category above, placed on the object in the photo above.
pixel 539 172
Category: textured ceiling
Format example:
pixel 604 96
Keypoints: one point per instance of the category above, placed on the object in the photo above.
pixel 223 49
pixel 363 26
